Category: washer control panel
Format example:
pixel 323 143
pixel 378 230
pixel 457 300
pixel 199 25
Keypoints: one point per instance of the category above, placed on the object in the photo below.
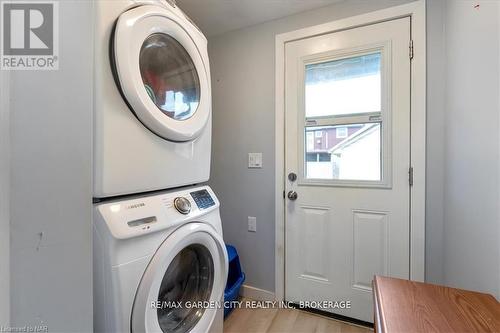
pixel 203 199
pixel 145 214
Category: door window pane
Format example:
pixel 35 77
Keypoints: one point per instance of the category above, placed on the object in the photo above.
pixel 344 86
pixel 169 76
pixel 310 141
pixel 355 156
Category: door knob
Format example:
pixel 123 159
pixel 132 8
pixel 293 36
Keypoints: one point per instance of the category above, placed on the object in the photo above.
pixel 292 195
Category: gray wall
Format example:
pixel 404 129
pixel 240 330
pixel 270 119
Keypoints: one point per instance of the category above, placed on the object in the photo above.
pixel 51 140
pixel 436 63
pixel 4 201
pixel 242 64
pixel 471 257
pixel 462 225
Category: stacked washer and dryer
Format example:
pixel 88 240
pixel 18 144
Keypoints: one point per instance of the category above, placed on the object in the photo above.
pixel 160 263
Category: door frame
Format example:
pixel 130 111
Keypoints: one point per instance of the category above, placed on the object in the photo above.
pixel 416 12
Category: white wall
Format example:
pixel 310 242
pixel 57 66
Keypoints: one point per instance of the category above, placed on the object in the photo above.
pixel 51 140
pixel 4 201
pixel 471 255
pixel 462 213
pixel 242 64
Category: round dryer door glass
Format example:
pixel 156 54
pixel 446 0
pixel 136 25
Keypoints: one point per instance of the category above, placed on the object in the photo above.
pixel 189 280
pixel 169 76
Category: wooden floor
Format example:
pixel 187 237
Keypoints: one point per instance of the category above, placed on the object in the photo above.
pixel 285 321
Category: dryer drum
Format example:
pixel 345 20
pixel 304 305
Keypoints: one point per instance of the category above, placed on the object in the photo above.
pixel 160 73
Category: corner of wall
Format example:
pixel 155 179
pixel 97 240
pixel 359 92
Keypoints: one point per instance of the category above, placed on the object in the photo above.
pixel 498 185
pixel 436 55
pixel 4 199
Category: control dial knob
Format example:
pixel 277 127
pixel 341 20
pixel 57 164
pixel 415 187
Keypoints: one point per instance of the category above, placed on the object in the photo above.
pixel 182 205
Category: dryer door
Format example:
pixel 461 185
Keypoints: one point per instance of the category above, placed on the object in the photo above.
pixel 160 64
pixel 183 284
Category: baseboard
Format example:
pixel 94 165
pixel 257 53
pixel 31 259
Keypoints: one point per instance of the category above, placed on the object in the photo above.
pixel 256 293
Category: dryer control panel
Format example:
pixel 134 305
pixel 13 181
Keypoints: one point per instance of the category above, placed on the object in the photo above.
pixel 203 199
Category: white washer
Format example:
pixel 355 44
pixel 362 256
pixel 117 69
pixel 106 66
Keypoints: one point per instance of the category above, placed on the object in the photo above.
pixel 152 98
pixel 152 251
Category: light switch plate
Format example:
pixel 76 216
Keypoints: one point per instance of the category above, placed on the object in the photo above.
pixel 255 160
pixel 252 224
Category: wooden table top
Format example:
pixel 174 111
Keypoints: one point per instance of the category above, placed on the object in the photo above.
pixel 408 306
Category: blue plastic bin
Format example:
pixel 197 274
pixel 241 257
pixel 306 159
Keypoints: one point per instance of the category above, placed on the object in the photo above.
pixel 235 278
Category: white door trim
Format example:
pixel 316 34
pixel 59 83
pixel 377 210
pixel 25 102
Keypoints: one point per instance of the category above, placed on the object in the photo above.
pixel 416 11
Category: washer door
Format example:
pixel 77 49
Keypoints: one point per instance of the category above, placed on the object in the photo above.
pixel 161 72
pixel 187 273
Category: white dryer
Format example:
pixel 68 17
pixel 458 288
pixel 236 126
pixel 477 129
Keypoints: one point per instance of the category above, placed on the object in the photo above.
pixel 160 264
pixel 152 98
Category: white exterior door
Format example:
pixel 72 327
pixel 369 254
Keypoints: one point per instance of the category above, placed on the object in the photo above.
pixel 347 134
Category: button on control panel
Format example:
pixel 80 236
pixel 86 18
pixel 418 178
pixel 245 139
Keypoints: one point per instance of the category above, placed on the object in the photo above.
pixel 182 205
pixel 202 199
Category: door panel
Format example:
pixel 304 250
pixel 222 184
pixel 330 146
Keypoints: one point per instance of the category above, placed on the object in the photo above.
pixel 347 136
pixel 370 247
pixel 315 229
